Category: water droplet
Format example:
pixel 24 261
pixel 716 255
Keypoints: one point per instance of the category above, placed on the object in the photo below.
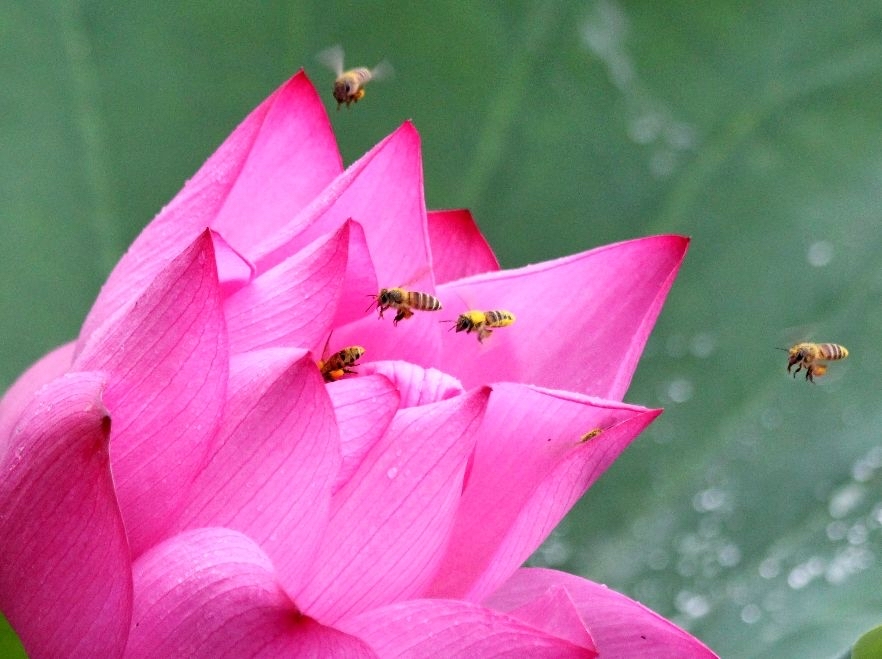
pixel 729 555
pixel 751 614
pixel 692 604
pixel 803 574
pixel 770 568
pixel 820 253
pixel 857 534
pixel 709 499
pixel 703 345
pixel 836 530
pixel 845 499
pixel 392 472
pixel 680 390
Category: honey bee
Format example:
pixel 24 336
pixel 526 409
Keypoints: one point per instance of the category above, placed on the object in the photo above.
pixel 337 365
pixel 483 322
pixel 812 357
pixel 349 85
pixel 404 302
pixel 591 434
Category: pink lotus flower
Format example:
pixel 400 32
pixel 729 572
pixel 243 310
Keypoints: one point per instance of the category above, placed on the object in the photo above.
pixel 180 480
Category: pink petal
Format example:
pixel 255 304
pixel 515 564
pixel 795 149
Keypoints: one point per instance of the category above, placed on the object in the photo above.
pixel 458 248
pixel 293 158
pixel 167 361
pixel 293 303
pixel 382 191
pixel 275 161
pixel 450 628
pixel 234 270
pixel 620 626
pixel 213 593
pixel 65 575
pixel 416 385
pixel 360 277
pixel 392 519
pixel 275 461
pixel 17 397
pixel 609 298
pixel 364 407
pixel 555 612
pixel 529 468
pixel 416 340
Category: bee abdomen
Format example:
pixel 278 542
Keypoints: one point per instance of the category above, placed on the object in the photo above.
pixel 833 351
pixel 498 318
pixel 423 301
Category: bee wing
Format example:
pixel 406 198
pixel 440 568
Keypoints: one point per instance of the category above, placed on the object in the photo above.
pixel 332 58
pixel 382 71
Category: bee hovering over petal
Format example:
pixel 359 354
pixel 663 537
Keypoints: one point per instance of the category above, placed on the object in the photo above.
pixel 335 366
pixel 813 357
pixel 349 85
pixel 404 302
pixel 482 322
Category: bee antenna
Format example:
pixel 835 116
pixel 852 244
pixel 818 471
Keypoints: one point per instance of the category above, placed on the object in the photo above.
pixel 784 349
pixel 372 304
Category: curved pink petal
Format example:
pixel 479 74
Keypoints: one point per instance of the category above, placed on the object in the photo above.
pixel 293 157
pixel 382 191
pixel 450 628
pixel 364 407
pixel 359 278
pixel 292 303
pixel 212 592
pixel 620 626
pixel 416 340
pixel 17 397
pixel 529 467
pixel 391 521
pixel 608 297
pixel 416 385
pixel 234 270
pixel 275 460
pixel 167 360
pixel 65 574
pixel 555 612
pixel 275 161
pixel 458 247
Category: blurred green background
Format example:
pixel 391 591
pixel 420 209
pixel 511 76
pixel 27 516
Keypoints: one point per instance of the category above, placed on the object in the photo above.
pixel 750 513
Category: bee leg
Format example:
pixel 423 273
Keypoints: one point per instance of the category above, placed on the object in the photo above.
pixel 810 374
pixel 483 333
pixel 403 314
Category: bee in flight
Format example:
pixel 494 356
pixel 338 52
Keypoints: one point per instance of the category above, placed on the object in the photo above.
pixel 335 366
pixel 813 357
pixel 483 322
pixel 349 85
pixel 404 302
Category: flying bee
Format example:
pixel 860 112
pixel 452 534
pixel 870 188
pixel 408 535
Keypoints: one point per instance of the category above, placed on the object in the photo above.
pixel 483 322
pixel 813 357
pixel 349 85
pixel 335 366
pixel 404 302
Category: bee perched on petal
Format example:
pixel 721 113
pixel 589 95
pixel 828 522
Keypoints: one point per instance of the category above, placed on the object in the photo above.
pixel 813 357
pixel 349 85
pixel 334 367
